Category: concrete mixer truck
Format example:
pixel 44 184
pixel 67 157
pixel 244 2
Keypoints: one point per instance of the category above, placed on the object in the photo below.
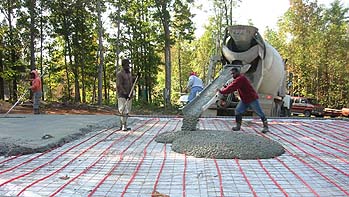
pixel 261 64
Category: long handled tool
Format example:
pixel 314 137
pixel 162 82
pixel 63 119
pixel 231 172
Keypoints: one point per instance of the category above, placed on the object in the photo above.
pixel 14 105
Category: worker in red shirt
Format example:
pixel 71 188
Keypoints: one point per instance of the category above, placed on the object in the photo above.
pixel 36 89
pixel 248 98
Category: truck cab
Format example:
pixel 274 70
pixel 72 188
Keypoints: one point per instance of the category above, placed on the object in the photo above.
pixel 306 106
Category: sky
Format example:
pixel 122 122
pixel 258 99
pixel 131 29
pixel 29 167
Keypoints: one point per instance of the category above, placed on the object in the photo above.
pixel 263 13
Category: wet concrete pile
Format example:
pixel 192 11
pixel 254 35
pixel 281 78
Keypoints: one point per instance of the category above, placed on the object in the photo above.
pixel 189 123
pixel 221 144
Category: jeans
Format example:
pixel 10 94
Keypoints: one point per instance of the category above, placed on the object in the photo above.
pixel 193 92
pixel 242 107
pixel 36 99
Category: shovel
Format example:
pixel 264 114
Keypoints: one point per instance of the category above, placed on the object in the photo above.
pixel 14 105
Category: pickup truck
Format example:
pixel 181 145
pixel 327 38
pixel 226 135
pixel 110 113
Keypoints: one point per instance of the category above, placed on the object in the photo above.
pixel 332 112
pixel 306 106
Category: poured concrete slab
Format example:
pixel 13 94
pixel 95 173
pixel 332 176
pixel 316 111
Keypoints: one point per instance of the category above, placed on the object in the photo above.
pixel 27 133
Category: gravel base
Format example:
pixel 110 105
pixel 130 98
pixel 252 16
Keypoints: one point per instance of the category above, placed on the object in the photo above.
pixel 221 144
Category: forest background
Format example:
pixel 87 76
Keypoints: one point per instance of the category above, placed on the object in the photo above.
pixel 78 59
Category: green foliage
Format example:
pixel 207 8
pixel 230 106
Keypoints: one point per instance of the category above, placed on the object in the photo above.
pixel 315 41
pixel 140 107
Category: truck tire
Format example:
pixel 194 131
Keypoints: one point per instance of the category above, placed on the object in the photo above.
pixel 307 113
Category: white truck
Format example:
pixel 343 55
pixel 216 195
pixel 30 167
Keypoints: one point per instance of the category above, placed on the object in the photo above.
pixel 262 65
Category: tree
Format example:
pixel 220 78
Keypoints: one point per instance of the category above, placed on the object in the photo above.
pixel 301 22
pixel 336 39
pixel 164 15
pixel 32 5
pixel 101 53
pixel 183 29
pixel 12 53
pixel 2 81
pixel 315 42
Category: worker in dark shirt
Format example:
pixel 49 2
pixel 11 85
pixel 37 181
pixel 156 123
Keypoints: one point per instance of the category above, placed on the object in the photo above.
pixel 124 86
pixel 248 98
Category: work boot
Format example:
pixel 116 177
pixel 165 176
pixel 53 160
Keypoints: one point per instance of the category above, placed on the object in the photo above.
pixel 124 127
pixel 238 120
pixel 123 123
pixel 237 126
pixel 265 126
pixel 36 111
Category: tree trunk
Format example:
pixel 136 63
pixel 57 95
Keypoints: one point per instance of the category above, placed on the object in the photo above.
pixel 165 19
pixel 76 79
pixel 101 54
pixel 2 89
pixel 41 54
pixel 67 74
pixel 106 87
pixel 66 49
pixel 180 66
pixel 13 96
pixel 94 90
pixel 117 50
pixel 32 34
pixel 49 85
pixel 167 64
pixel 83 80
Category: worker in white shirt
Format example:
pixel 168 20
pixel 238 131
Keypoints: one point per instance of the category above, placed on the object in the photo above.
pixel 195 85
pixel 286 107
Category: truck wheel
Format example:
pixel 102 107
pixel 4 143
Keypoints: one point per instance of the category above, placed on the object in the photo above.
pixel 307 114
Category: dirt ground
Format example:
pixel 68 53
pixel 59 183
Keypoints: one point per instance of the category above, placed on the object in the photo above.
pixel 83 109
pixel 57 108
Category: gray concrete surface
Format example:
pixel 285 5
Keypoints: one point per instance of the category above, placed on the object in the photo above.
pixel 27 133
